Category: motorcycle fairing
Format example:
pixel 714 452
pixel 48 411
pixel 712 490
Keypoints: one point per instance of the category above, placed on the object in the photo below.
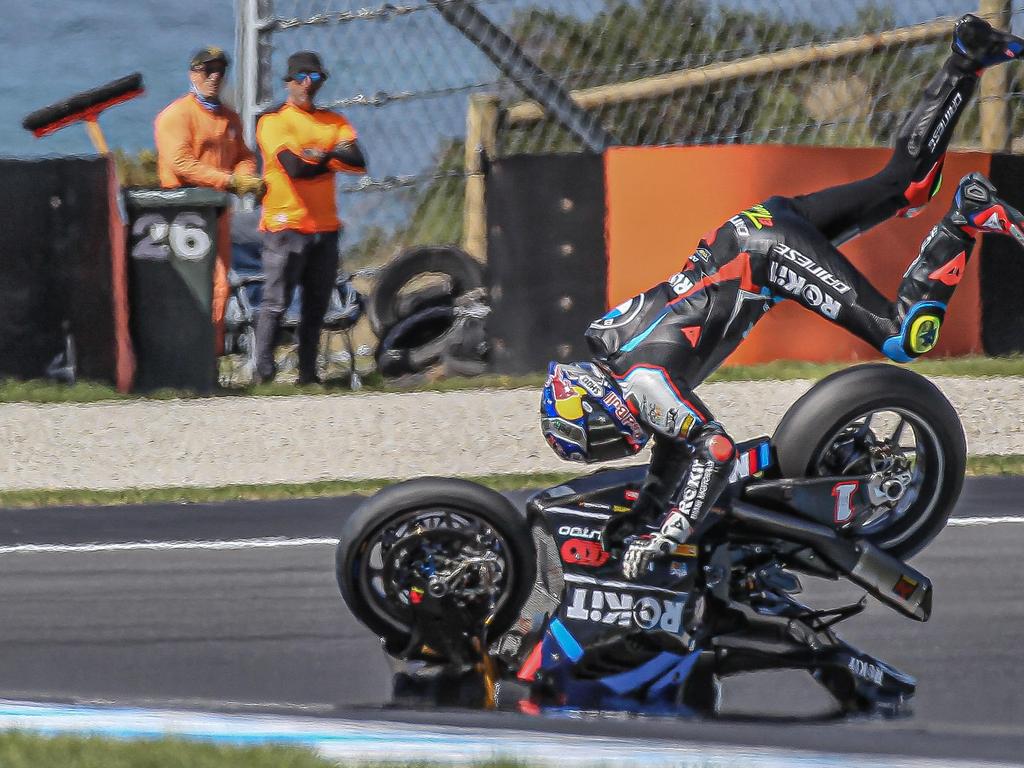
pixel 595 641
pixel 596 602
pixel 633 673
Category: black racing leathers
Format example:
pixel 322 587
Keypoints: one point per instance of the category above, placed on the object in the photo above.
pixel 663 343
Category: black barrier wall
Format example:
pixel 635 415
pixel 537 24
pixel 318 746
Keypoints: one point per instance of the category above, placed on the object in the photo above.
pixel 56 266
pixel 546 258
pixel 1002 269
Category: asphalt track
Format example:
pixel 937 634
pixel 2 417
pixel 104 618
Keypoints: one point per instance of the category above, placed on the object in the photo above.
pixel 233 607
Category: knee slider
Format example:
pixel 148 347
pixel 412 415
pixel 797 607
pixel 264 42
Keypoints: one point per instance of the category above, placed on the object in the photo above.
pixel 711 443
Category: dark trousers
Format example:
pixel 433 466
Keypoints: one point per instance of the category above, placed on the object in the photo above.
pixel 292 258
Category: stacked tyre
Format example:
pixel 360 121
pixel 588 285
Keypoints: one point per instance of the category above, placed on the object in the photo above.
pixel 428 309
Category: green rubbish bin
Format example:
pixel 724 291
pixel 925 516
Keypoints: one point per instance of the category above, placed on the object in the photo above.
pixel 172 249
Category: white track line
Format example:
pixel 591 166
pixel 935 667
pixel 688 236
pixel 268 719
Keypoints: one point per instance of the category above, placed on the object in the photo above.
pixel 131 546
pixel 962 521
pixel 271 543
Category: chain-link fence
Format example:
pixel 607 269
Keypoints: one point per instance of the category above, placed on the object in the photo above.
pixel 834 72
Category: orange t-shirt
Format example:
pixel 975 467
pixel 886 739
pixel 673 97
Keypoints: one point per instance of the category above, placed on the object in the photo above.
pixel 305 205
pixel 199 148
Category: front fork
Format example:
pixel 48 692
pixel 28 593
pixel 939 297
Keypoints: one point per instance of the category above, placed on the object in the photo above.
pixel 465 674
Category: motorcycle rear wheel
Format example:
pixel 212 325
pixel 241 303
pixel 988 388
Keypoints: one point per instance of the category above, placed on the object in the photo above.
pixel 834 429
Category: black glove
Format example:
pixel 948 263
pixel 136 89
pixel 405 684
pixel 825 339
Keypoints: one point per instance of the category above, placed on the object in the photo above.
pixel 349 153
pixel 619 528
pixel 314 155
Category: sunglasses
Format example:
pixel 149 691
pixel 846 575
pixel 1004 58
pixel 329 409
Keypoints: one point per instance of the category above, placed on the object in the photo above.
pixel 210 69
pixel 314 77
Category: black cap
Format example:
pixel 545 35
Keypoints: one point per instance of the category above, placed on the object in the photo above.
pixel 304 61
pixel 208 54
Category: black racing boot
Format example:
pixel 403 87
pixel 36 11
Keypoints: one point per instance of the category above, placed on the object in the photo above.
pixel 978 208
pixel 931 279
pixel 977 40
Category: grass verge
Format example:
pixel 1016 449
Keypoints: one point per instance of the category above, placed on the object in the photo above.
pixel 25 750
pixel 20 749
pixel 976 466
pixel 780 370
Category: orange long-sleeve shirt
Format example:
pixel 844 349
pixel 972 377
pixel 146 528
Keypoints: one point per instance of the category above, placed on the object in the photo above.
pixel 199 148
pixel 305 205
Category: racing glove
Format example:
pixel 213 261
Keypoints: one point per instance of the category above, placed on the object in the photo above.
pixel 669 462
pixel 619 528
pixel 674 531
pixel 244 184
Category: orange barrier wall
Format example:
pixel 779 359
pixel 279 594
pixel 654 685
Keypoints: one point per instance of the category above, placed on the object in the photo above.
pixel 661 200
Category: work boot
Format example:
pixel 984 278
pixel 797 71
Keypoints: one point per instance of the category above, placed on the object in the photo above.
pixel 978 208
pixel 982 44
pixel 306 378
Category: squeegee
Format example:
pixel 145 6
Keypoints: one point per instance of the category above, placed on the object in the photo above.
pixel 85 107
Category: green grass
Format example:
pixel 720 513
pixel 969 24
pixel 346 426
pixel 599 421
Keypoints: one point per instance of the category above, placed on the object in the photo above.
pixel 86 497
pixel 785 370
pixel 976 466
pixel 19 749
pixel 782 370
pixel 26 750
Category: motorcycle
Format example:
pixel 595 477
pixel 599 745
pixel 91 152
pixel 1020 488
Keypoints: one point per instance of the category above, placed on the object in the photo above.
pixel 479 605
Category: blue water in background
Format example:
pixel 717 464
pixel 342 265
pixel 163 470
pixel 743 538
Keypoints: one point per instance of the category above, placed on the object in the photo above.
pixel 55 48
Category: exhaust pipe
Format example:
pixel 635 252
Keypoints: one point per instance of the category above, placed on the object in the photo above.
pixel 890 580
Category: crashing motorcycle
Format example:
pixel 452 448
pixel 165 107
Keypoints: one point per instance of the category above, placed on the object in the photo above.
pixel 480 605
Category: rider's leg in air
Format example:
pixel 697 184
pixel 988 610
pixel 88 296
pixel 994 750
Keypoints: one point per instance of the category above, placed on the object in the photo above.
pixel 909 327
pixel 914 172
pixel 689 472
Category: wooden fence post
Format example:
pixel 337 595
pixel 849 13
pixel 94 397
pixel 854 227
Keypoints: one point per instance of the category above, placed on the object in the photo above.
pixel 993 103
pixel 481 137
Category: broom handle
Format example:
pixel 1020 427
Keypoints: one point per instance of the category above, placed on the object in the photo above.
pixel 96 135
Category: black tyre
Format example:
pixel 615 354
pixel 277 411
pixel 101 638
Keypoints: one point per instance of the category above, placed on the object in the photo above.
pixel 459 272
pixel 416 342
pixel 426 507
pixel 873 418
pixel 409 304
pixel 460 366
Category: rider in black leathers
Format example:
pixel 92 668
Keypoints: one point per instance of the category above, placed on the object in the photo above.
pixel 662 344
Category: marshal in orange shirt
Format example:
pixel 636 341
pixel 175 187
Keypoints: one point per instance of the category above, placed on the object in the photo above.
pixel 307 204
pixel 200 148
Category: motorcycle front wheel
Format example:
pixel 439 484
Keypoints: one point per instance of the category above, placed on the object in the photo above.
pixel 428 531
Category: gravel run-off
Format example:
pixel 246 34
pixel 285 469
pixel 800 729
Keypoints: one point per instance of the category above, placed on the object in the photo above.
pixel 253 440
